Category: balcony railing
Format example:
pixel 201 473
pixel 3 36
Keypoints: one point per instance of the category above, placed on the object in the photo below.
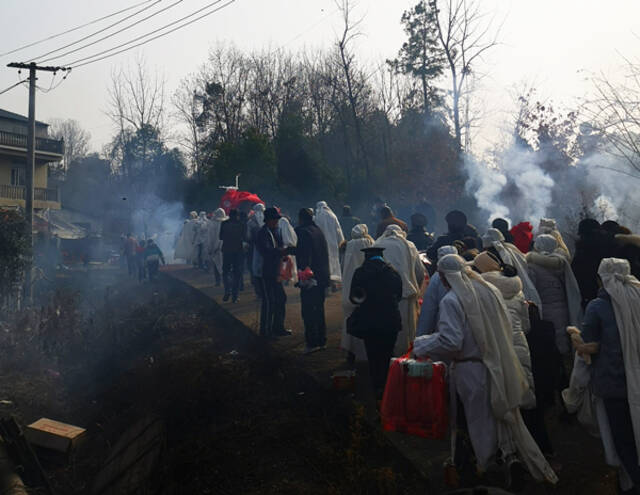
pixel 18 193
pixel 42 144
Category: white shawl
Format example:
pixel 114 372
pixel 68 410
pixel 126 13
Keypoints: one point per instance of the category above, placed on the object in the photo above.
pixel 511 255
pixel 624 290
pixel 328 223
pixel 404 257
pixel 547 245
pixel 489 320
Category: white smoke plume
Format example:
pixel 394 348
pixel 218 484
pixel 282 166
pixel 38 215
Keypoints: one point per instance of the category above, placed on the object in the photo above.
pixel 603 209
pixel 515 188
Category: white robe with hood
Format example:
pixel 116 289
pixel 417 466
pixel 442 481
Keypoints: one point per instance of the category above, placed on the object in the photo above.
pixel 475 333
pixel 328 223
pixel 185 247
pixel 289 239
pixel 403 256
pixel 353 259
pixel 214 243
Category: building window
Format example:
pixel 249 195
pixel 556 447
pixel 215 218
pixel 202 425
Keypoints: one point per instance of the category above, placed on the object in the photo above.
pixel 17 176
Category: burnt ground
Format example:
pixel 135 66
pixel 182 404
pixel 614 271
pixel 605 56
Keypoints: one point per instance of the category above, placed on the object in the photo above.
pixel 237 417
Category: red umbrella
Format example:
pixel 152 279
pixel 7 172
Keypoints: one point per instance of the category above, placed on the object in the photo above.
pixel 233 198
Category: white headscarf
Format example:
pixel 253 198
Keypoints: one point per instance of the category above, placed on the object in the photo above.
pixel 490 325
pixel 444 250
pixel 258 213
pixel 394 231
pixel 353 259
pixel 287 233
pixel 404 257
pixel 488 318
pixel 547 245
pixel 328 223
pixel 511 255
pixel 549 226
pixel 219 215
pixel 193 215
pixel 624 290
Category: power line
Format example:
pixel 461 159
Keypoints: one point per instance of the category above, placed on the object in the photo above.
pixel 76 63
pixel 53 78
pixel 211 4
pixel 97 32
pixel 13 86
pixel 54 36
pixel 114 33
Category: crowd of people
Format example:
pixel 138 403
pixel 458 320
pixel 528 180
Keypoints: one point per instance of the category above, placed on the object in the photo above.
pixel 524 323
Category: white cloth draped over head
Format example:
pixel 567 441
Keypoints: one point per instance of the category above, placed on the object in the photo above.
pixel 444 250
pixel 353 259
pixel 547 245
pixel 550 227
pixel 185 247
pixel 624 290
pixel 490 325
pixel 328 223
pixel 258 213
pixel 511 255
pixel 287 233
pixel 404 257
pixel 215 244
pixel 289 239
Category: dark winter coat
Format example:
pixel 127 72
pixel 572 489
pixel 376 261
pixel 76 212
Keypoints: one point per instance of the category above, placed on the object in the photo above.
pixel 607 370
pixel 232 235
pixel 312 252
pixel 421 238
pixel 379 314
pixel 450 237
pixel 545 361
pixel 269 248
pixel 590 251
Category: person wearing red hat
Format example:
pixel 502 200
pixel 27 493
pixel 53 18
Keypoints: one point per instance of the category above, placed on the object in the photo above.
pixel 523 236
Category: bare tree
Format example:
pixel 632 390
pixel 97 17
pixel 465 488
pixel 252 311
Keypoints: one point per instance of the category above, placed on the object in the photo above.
pixel 615 111
pixel 354 86
pixel 76 140
pixel 188 109
pixel 464 34
pixel 136 105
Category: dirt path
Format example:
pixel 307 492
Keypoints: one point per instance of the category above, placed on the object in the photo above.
pixel 579 461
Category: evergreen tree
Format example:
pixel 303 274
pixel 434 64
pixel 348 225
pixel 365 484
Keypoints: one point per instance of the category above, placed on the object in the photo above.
pixel 421 56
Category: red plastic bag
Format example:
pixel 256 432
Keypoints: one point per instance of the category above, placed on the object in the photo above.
pixel 417 405
pixel 286 269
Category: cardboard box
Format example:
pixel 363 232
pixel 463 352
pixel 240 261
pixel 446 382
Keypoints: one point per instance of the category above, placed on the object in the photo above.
pixel 54 435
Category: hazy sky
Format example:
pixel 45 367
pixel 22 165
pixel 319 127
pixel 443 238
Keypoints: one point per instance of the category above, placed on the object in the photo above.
pixel 554 43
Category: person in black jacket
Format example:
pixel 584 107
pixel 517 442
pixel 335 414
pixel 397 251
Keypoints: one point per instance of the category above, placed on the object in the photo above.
pixel 377 289
pixel 458 229
pixel 418 233
pixel 232 235
pixel 270 253
pixel 312 252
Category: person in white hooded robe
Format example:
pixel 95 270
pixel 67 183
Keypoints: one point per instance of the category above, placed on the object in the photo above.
pixel 329 224
pixel 403 256
pixel 214 243
pixel 202 239
pixel 254 224
pixel 185 247
pixel 289 239
pixel 353 259
pixel 474 335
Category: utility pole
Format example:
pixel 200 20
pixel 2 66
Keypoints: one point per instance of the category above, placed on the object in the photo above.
pixel 29 171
